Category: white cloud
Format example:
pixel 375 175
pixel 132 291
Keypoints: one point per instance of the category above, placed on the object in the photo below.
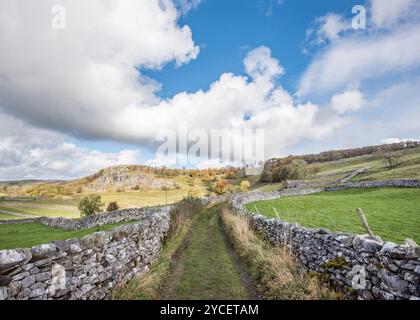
pixel 348 101
pixel 82 82
pixel 398 140
pixel 97 92
pixel 328 28
pixel 267 7
pixel 355 59
pixel 259 63
pixel 186 5
pixel 30 153
pixel 77 80
pixel 386 13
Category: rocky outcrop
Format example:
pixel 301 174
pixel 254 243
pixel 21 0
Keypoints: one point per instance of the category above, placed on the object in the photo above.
pixel 123 178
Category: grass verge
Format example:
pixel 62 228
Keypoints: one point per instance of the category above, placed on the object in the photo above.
pixel 157 282
pixel 275 268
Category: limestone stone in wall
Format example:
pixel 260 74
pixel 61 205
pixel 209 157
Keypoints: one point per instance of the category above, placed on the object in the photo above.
pixel 86 268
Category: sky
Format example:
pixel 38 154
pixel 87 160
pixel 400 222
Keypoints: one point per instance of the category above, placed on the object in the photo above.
pixel 88 85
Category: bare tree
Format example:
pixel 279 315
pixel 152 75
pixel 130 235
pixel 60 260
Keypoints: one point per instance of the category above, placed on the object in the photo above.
pixel 391 158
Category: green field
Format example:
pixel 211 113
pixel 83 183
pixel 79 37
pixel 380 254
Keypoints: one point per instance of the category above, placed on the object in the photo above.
pixel 31 234
pixel 392 213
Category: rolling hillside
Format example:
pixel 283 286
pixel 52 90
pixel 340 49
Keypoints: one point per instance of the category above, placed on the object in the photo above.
pixel 369 167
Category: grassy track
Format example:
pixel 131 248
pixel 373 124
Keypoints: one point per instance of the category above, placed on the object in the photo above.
pixel 392 213
pixel 196 263
pixel 31 234
pixel 209 271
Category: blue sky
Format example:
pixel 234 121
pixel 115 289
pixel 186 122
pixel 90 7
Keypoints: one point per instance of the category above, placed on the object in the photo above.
pixel 226 30
pixel 98 89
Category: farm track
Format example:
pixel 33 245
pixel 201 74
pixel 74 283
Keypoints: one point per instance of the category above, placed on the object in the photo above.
pixel 206 265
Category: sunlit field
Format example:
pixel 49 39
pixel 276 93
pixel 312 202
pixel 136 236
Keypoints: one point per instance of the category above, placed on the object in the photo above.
pixel 392 213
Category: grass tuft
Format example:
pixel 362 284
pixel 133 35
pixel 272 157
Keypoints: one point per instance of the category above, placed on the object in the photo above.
pixel 276 268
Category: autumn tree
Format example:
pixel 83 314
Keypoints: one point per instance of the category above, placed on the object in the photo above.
pixel 90 205
pixel 244 186
pixel 220 187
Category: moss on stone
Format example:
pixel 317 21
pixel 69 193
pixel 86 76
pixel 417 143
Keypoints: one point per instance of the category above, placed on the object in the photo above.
pixel 336 263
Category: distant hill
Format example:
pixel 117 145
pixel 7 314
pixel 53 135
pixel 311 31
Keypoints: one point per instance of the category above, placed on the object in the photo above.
pixel 272 167
pixel 334 155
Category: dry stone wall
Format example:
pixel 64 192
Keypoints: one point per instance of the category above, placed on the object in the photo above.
pixel 402 183
pixel 86 268
pixel 95 220
pixel 368 266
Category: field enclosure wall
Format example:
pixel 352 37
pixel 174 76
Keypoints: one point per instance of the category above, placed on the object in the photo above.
pixel 367 266
pixel 86 268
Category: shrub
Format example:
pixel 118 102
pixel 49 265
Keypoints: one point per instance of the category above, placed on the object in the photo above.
pixel 231 188
pixel 244 186
pixel 220 187
pixel 182 212
pixel 297 170
pixel 90 205
pixel 288 168
pixel 112 206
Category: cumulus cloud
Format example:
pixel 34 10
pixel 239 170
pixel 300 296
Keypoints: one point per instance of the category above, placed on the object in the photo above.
pixel 82 81
pixel 356 59
pixel 77 80
pixel 86 82
pixel 386 13
pixel 259 63
pixel 348 101
pixel 359 56
pixel 328 28
pixel 32 153
pixel 224 105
